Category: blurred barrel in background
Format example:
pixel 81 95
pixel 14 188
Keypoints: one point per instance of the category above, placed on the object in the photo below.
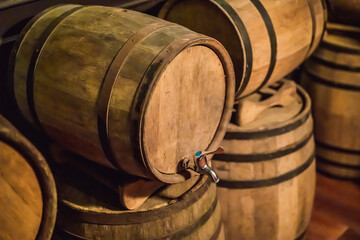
pixel 88 210
pixel 267 173
pixel 266 39
pixel 28 200
pixel 122 88
pixel 332 78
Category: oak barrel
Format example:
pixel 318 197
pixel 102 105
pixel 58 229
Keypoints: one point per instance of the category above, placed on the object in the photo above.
pixel 332 78
pixel 266 39
pixel 28 200
pixel 267 173
pixel 122 88
pixel 88 210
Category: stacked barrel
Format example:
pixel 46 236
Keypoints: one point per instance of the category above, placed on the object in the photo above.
pixel 267 171
pixel 137 95
pixel 143 114
pixel 332 77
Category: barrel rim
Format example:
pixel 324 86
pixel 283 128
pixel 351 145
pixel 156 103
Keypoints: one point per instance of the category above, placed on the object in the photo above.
pixel 13 56
pixel 122 217
pixel 160 65
pixel 281 128
pixel 11 136
pixel 239 28
pixel 214 209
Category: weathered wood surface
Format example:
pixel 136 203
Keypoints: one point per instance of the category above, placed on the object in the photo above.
pixel 332 77
pixel 336 213
pixel 28 200
pixel 90 211
pixel 266 39
pixel 267 173
pixel 128 91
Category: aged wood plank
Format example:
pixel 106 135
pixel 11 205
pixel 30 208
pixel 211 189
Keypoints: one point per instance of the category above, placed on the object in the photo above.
pixel 267 172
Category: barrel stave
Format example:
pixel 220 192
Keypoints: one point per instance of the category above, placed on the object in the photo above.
pixel 267 176
pixel 109 109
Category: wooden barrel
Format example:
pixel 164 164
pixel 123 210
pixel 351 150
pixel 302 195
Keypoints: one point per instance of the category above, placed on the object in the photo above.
pixel 345 11
pixel 332 78
pixel 266 39
pixel 28 200
pixel 88 210
pixel 114 86
pixel 267 174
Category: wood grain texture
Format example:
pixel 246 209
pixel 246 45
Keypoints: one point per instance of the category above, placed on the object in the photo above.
pixel 90 211
pixel 332 77
pixel 267 176
pixel 100 95
pixel 28 200
pixel 336 212
pixel 266 39
pixel 174 114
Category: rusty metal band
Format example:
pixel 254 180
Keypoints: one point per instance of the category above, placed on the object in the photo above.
pixel 325 13
pixel 350 33
pixel 338 48
pixel 341 175
pixel 270 132
pixel 337 148
pixel 216 234
pixel 247 184
pixel 248 53
pixel 329 83
pixel 181 234
pixel 272 37
pixel 335 65
pixel 148 81
pixel 127 217
pixel 34 60
pixel 354 166
pixel 12 59
pixel 186 232
pixel 108 84
pixel 262 157
pixel 313 23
